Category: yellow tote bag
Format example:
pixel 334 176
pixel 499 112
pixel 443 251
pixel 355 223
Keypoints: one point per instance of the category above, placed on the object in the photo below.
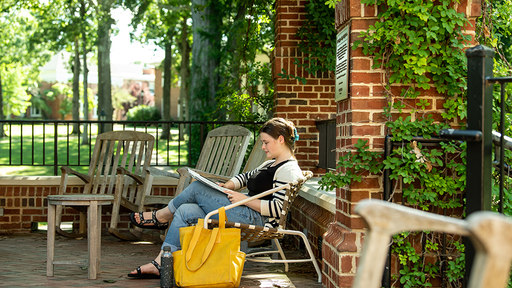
pixel 209 258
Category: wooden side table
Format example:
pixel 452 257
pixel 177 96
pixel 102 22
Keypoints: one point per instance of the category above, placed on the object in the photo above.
pixel 93 202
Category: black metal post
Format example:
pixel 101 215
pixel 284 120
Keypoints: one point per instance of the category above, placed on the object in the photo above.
pixel 479 159
pixel 386 278
pixel 55 149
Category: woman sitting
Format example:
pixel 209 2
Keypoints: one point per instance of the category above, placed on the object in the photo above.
pixel 278 137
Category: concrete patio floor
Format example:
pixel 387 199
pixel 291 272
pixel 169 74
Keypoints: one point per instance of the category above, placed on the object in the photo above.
pixel 24 265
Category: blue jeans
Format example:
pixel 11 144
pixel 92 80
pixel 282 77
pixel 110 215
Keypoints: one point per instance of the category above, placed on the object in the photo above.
pixel 195 202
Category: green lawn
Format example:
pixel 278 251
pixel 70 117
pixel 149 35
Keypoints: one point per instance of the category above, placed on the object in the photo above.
pixel 26 151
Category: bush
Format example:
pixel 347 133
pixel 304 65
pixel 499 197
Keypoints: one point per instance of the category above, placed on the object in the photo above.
pixel 143 113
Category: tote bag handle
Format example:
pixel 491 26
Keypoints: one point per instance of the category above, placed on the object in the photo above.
pixel 211 242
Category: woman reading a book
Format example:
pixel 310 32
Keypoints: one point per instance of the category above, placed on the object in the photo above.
pixel 197 200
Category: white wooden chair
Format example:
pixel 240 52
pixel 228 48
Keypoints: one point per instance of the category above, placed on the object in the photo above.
pixel 490 233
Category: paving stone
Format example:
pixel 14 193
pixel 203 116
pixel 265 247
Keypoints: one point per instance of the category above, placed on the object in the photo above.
pixel 24 265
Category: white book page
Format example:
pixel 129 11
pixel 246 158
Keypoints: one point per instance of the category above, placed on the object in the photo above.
pixel 205 181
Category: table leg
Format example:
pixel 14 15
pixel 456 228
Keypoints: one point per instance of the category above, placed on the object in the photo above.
pixel 50 242
pixel 92 238
pixel 99 239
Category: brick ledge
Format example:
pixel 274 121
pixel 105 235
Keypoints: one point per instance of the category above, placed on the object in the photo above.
pixel 309 191
pixel 325 199
pixel 72 181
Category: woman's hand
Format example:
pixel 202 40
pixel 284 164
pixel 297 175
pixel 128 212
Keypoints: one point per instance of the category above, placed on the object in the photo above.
pixel 234 196
pixel 229 185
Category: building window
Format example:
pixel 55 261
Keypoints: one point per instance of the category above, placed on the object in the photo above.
pixel 34 111
pixel 327 144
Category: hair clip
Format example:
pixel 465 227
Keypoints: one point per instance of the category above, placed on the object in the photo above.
pixel 296 135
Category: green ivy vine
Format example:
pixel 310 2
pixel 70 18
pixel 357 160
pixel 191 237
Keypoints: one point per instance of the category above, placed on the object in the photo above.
pixel 420 45
pixel 317 42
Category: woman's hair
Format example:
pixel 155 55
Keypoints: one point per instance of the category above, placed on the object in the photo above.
pixel 276 127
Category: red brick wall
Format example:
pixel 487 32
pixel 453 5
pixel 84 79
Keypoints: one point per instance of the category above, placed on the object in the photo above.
pixel 313 218
pixel 300 103
pixel 24 205
pixel 360 117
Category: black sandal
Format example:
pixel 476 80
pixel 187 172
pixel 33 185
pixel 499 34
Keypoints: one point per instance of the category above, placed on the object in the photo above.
pixel 156 224
pixel 141 275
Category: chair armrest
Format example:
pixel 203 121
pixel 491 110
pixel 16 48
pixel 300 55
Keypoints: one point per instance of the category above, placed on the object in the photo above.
pixel 68 170
pixel 268 192
pixel 122 171
pixel 160 172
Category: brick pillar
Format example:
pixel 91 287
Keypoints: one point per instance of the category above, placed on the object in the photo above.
pixel 360 117
pixel 300 103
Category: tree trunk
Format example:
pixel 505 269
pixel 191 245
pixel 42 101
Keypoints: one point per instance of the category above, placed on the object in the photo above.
pixel 75 110
pixel 184 71
pixel 2 116
pixel 167 84
pixel 184 76
pixel 205 78
pixel 234 49
pixel 85 135
pixel 104 77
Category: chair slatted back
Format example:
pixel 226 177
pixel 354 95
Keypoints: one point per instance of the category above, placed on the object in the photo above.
pixel 386 219
pixel 290 195
pixel 251 233
pixel 127 149
pixel 223 149
pixel 256 158
pixel 490 233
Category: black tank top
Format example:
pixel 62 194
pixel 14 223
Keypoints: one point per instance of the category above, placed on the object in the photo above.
pixel 263 180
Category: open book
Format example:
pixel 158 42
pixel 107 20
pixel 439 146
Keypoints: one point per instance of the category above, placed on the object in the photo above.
pixel 205 181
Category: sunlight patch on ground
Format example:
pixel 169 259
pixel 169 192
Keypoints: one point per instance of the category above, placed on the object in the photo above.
pixel 143 243
pixel 270 280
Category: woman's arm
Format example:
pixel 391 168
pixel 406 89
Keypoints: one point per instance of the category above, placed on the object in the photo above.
pixel 234 197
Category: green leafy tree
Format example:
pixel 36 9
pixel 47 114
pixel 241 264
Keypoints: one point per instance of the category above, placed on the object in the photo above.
pixel 67 25
pixel 21 56
pixel 227 37
pixel 14 84
pixel 246 78
pixel 317 42
pixel 207 21
pixel 170 16
pixel 64 25
pixel 102 11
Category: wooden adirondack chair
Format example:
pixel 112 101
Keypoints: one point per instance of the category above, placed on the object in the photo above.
pixel 116 152
pixel 222 154
pixel 256 158
pixel 490 233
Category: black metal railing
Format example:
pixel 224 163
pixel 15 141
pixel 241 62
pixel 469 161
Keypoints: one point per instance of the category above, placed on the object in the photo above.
pixel 50 144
